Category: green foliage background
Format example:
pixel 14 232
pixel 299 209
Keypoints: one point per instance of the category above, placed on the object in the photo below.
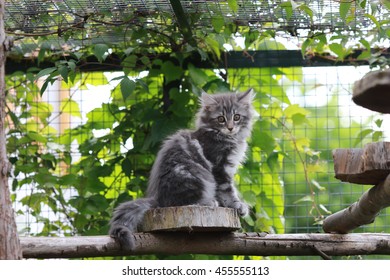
pixel 81 177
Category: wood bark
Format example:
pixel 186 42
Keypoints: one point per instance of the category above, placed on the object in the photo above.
pixel 191 218
pixel 373 91
pixel 9 241
pixel 361 212
pixel 212 243
pixel 369 165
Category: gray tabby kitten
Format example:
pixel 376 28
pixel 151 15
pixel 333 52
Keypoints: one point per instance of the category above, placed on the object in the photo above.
pixel 195 166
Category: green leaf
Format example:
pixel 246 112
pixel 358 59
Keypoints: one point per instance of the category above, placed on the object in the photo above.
pixel 71 107
pixel 36 137
pixel 214 45
pixel 44 87
pixel 250 197
pixel 301 144
pixel 305 45
pixel 45 72
pixel 273 161
pixel 198 75
pixel 379 122
pixel 377 135
pixel 263 140
pixel 127 167
pixel 307 10
pixel 338 49
pixel 344 8
pixel 362 134
pixel 288 8
pixel 63 71
pixel 233 5
pixel 68 180
pixel 127 87
pixel 171 71
pixel 41 55
pixel 365 43
pixel 218 23
pixel 270 44
pixel 101 118
pixel 295 109
pixel 374 20
pixel 100 51
pixel 129 63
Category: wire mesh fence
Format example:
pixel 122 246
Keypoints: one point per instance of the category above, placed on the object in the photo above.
pixel 303 191
pixel 74 24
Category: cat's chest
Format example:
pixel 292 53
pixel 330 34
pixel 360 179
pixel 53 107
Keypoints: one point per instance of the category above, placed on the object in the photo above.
pixel 225 153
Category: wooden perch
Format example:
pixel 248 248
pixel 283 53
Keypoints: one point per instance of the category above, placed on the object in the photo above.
pixel 373 91
pixel 212 243
pixel 369 165
pixel 361 212
pixel 191 218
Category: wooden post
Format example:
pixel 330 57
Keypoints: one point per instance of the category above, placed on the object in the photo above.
pixel 9 240
pixel 361 212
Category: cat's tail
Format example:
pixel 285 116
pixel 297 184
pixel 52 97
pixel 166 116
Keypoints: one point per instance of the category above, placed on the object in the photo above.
pixel 126 219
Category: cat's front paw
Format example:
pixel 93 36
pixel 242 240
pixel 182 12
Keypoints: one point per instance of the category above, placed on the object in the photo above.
pixel 242 208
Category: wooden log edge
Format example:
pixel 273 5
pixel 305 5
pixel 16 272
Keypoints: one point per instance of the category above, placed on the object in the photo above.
pixel 373 91
pixel 369 165
pixel 191 218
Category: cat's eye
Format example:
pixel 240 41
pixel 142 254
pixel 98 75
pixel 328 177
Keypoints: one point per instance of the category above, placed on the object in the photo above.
pixel 221 119
pixel 236 117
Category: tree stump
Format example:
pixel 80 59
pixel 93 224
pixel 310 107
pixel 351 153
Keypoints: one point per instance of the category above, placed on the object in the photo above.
pixel 373 91
pixel 369 165
pixel 191 218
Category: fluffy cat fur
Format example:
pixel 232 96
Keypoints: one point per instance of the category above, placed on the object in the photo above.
pixel 195 166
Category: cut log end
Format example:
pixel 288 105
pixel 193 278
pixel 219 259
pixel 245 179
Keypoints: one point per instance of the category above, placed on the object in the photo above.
pixel 373 91
pixel 369 165
pixel 191 218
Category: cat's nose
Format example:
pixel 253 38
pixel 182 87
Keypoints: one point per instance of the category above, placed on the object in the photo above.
pixel 230 128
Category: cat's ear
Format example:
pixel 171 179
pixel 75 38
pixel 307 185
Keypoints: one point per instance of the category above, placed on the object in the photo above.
pixel 247 96
pixel 207 100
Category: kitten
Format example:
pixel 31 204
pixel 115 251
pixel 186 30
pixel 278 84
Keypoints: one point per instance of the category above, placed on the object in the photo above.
pixel 195 166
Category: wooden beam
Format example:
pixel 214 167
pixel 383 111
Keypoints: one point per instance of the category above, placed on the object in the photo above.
pixel 369 165
pixel 175 243
pixel 234 60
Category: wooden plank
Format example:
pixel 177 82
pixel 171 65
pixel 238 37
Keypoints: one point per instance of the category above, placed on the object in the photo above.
pixel 212 243
pixel 361 212
pixel 369 165
pixel 373 91
pixel 191 218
